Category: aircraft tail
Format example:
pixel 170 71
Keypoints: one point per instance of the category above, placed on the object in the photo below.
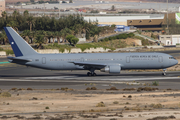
pixel 18 44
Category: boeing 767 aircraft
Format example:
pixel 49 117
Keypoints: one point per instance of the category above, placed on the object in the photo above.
pixel 105 62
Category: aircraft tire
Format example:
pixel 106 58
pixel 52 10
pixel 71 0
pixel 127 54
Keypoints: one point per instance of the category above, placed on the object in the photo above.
pixel 164 74
pixel 89 74
pixel 94 74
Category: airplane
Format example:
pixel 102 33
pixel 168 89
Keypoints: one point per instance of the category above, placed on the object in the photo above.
pixel 105 62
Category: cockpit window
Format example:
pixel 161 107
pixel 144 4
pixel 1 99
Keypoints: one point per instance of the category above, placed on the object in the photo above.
pixel 171 58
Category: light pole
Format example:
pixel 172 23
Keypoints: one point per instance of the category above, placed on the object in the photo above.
pixel 167 18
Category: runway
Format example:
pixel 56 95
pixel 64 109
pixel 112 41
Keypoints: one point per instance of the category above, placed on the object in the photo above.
pixel 17 76
pixel 13 75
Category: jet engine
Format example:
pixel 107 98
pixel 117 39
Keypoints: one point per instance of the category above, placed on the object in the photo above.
pixel 112 69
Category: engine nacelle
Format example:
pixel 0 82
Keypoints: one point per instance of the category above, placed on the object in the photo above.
pixel 112 69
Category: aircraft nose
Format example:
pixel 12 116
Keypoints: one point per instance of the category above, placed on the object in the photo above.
pixel 176 62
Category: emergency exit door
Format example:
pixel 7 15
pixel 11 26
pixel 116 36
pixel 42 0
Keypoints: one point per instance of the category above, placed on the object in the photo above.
pixel 43 60
pixel 160 59
pixel 127 59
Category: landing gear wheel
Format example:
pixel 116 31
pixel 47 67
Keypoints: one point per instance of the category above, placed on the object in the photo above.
pixel 94 74
pixel 164 72
pixel 88 74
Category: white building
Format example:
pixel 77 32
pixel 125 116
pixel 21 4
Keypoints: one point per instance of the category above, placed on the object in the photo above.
pixel 169 39
pixel 2 6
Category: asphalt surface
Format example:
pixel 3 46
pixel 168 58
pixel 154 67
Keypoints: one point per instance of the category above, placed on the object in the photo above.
pixel 13 75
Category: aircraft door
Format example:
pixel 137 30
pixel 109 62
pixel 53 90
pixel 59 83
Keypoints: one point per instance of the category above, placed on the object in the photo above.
pixel 160 59
pixel 127 59
pixel 43 60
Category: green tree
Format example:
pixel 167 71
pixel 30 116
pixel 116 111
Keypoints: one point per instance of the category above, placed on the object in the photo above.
pixel 3 37
pixel 112 7
pixel 13 24
pixel 4 14
pixel 25 34
pixel 39 41
pixel 15 13
pixel 72 40
pixel 30 21
pixel 26 13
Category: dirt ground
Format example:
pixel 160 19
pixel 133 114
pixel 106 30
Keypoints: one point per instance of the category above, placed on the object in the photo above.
pixel 56 104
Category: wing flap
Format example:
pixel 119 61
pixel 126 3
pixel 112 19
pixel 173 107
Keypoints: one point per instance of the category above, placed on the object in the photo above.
pixel 90 65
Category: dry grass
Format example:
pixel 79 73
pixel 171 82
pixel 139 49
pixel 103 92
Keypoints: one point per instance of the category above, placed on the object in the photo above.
pixel 101 104
pixel 5 94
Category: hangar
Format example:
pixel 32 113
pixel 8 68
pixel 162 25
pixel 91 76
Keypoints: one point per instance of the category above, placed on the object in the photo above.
pixel 151 24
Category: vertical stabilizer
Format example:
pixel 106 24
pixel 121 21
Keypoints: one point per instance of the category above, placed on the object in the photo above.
pixel 18 44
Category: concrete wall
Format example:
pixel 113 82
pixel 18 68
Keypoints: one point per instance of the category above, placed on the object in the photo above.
pixel 2 53
pixel 48 51
pixel 73 50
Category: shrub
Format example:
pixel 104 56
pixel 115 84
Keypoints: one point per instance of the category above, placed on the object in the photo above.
pixel 1 49
pixel 46 107
pixel 88 88
pixel 106 39
pixel 101 104
pixel 115 102
pixel 9 52
pixel 93 88
pixel 127 103
pixel 129 96
pixel 29 89
pixel 113 88
pixel 146 89
pixel 64 88
pixel 156 105
pixel 155 83
pixel 13 88
pixel 5 94
pixel 129 89
pixel 110 38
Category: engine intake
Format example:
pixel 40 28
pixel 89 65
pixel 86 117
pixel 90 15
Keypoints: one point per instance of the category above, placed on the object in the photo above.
pixel 112 69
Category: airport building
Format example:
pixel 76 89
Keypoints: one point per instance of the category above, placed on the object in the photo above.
pixel 169 40
pixel 152 22
pixel 2 6
pixel 123 19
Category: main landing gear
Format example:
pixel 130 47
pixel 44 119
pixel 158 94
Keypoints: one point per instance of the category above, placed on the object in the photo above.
pixel 91 73
pixel 164 72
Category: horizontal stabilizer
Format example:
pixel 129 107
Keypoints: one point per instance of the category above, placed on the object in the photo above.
pixel 19 59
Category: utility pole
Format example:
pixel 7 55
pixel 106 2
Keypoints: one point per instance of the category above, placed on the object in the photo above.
pixel 167 19
pixel 59 9
pixel 44 9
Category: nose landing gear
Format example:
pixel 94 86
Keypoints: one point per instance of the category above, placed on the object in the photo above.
pixel 164 72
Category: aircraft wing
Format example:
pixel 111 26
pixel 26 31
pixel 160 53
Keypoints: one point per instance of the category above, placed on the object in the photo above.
pixel 19 59
pixel 90 65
